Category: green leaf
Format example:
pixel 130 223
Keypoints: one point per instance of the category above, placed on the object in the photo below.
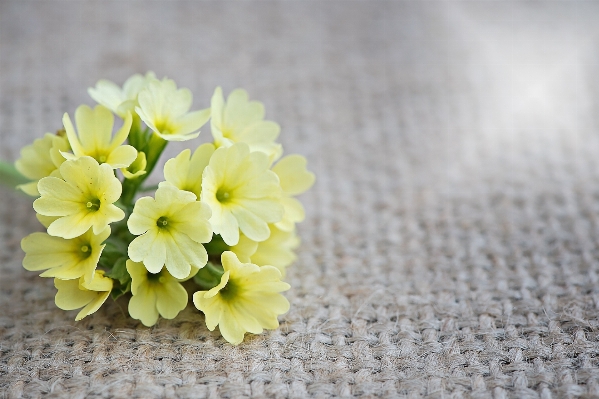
pixel 115 248
pixel 110 256
pixel 119 271
pixel 120 290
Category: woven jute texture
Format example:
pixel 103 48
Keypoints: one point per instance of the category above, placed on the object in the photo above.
pixel 451 245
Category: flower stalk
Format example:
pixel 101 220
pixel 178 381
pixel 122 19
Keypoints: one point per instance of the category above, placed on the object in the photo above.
pixel 10 176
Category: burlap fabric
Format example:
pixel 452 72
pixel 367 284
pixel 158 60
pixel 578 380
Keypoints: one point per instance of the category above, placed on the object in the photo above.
pixel 451 247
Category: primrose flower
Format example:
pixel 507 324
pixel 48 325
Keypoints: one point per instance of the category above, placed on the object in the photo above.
pixel 242 193
pixel 75 294
pixel 223 220
pixel 64 259
pixel 185 172
pixel 165 110
pixel 246 300
pixel 154 294
pixel 171 229
pixel 41 159
pixel 137 167
pixel 120 100
pixel 94 140
pixel 83 198
pixel 240 120
pixel 244 248
pixel 277 250
pixel 295 179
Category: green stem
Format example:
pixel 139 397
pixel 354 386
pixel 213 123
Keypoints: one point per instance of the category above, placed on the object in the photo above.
pixel 145 189
pixel 209 276
pixel 153 149
pixel 216 246
pixel 10 176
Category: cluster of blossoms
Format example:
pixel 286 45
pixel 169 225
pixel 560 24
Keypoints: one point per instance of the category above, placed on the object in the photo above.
pixel 222 222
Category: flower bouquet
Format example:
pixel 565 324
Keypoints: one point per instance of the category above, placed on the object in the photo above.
pixel 223 219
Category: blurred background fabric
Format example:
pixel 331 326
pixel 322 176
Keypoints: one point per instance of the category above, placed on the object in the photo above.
pixel 451 245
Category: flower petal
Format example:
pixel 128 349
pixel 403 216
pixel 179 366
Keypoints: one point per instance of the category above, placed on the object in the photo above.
pixel 171 299
pixel 251 225
pixel 121 157
pixel 294 177
pixel 217 104
pixel 69 296
pixel 227 227
pixel 142 306
pixel 43 251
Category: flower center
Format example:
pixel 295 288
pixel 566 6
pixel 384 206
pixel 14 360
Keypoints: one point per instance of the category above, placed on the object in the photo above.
pixel 93 204
pixel 153 277
pixel 162 222
pixel 163 126
pixel 157 278
pixel 85 251
pixel 227 132
pixel 222 195
pixel 102 159
pixel 229 291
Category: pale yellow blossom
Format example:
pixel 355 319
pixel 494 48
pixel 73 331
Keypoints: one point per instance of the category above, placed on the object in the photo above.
pixel 64 259
pixel 239 120
pixel 41 159
pixel 242 193
pixel 171 230
pixel 95 137
pixel 244 249
pixel 165 110
pixel 120 100
pixel 247 299
pixel 81 199
pixel 154 294
pixel 277 250
pixel 75 294
pixel 137 167
pixel 185 170
pixel 295 179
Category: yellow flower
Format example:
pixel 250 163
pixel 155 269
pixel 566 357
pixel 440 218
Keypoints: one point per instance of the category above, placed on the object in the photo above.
pixel 277 250
pixel 165 110
pixel 74 294
pixel 137 168
pixel 240 120
pixel 184 172
pixel 295 179
pixel 244 249
pixel 242 193
pixel 41 159
pixel 154 294
pixel 64 259
pixel 95 137
pixel 171 229
pixel 45 221
pixel 246 300
pixel 83 198
pixel 120 100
